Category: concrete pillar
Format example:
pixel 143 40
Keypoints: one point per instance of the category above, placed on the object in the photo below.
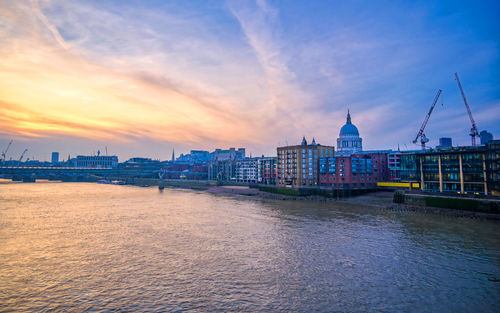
pixel 421 173
pixel 440 175
pixel 484 175
pixel 461 173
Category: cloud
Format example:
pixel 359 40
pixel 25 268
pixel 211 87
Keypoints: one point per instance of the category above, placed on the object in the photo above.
pixel 240 74
pixel 67 89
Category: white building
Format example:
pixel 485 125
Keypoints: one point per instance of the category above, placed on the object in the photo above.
pixel 349 141
pixel 247 170
pixel 96 161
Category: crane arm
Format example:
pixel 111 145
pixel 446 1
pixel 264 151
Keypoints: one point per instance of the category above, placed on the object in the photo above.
pixel 422 128
pixel 22 155
pixel 474 127
pixel 4 153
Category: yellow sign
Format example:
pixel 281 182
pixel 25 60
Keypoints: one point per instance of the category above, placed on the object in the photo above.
pixel 403 185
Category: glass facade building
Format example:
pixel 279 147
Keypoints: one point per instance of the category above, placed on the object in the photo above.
pixel 456 170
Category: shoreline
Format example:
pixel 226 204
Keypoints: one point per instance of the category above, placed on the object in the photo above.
pixel 381 200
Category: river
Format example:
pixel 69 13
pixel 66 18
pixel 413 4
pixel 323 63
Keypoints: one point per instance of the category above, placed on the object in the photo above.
pixel 91 247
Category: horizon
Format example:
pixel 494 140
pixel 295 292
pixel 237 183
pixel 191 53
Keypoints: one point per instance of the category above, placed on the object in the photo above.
pixel 143 78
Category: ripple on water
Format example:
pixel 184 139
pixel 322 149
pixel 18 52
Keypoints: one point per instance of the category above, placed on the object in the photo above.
pixel 77 247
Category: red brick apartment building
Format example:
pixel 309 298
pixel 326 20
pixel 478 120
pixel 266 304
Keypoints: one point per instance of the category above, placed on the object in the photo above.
pixel 357 171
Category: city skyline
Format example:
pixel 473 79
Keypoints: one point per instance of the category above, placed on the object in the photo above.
pixel 144 78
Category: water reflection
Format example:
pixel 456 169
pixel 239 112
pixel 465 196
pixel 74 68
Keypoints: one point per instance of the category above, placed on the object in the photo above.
pixel 87 247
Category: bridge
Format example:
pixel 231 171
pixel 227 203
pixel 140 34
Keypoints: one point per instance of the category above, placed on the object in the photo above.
pixel 30 170
pixel 31 173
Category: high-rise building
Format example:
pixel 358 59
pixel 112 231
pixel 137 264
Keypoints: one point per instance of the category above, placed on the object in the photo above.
pixel 485 137
pixel 298 165
pixel 55 157
pixel 445 142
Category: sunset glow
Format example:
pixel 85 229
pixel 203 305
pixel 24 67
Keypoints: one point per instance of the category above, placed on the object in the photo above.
pixel 231 74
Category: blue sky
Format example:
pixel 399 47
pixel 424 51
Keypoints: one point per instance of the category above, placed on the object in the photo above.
pixel 144 77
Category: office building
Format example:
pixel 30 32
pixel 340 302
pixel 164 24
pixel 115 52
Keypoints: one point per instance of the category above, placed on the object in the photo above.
pixel 456 170
pixel 445 142
pixel 485 137
pixel 55 157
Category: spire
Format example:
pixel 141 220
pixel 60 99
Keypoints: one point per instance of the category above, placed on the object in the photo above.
pixel 313 142
pixel 348 117
pixel 304 141
pixel 173 155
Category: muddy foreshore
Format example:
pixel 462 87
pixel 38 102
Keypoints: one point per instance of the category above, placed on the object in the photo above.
pixel 381 200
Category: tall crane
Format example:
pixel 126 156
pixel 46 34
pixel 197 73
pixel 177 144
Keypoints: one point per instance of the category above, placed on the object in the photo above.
pixel 4 153
pixel 473 131
pixel 22 155
pixel 421 135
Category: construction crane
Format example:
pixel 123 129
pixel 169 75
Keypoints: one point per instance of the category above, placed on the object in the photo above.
pixel 473 131
pixel 22 155
pixel 421 135
pixel 4 153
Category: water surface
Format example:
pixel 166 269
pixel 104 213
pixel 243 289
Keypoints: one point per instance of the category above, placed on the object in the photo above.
pixel 91 247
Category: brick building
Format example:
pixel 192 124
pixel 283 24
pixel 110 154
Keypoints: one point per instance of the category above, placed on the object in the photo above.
pixel 357 171
pixel 298 165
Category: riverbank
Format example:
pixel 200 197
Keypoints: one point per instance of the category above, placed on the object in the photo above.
pixel 382 200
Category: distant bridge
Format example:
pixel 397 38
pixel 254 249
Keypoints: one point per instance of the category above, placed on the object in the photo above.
pixel 41 170
pixel 31 173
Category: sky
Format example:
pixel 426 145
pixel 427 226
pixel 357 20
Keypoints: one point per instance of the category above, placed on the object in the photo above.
pixel 140 78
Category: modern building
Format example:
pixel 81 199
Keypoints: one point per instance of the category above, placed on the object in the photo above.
pixel 493 166
pixel 393 165
pixel 96 161
pixel 349 141
pixel 266 170
pixel 357 171
pixel 247 170
pixel 485 137
pixel 298 165
pixel 55 157
pixel 457 170
pixel 445 142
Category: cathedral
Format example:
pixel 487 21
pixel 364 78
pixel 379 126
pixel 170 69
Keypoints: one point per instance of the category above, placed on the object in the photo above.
pixel 349 141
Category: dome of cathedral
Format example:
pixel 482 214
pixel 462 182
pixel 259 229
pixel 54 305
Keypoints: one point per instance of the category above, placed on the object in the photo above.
pixel 349 141
pixel 349 129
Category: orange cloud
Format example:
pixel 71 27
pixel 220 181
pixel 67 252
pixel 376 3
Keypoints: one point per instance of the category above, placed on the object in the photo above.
pixel 48 90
